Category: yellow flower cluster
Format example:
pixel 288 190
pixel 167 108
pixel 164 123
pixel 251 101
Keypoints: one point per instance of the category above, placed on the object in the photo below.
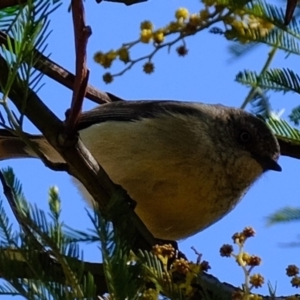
pixel 240 295
pixel 187 23
pixel 293 271
pixel 245 27
pixel 149 294
pixel 182 50
pixel 246 261
pixel 209 3
pixel 106 59
pixel 178 270
pixel 184 24
pixel 164 252
pixel 148 34
pixel 107 78
pixel 188 273
pixel 256 280
pixel 148 67
pixel 181 14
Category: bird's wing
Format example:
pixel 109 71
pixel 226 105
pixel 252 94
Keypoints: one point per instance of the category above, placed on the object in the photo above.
pixel 130 111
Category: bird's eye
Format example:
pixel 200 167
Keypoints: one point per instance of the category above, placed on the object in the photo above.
pixel 245 136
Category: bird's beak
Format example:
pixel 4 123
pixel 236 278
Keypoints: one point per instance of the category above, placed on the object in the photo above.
pixel 268 163
pixel 271 164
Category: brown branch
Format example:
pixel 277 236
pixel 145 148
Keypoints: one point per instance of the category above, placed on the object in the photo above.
pixel 81 35
pixel 12 259
pixel 9 3
pixel 126 2
pixel 7 190
pixel 288 148
pixel 289 11
pixel 59 74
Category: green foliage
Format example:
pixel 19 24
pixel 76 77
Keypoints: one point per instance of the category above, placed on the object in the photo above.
pixel 295 115
pixel 284 215
pixel 7 17
pixel 122 273
pixel 159 276
pixel 127 275
pixel 279 38
pixel 278 80
pixel 49 233
pixel 27 30
pixel 282 129
pixel 238 50
pixel 261 104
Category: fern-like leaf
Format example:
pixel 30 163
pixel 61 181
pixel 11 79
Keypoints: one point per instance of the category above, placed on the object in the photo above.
pixel 263 81
pixel 285 79
pixel 284 215
pixel 282 129
pixel 295 115
pixel 29 30
pixel 261 104
pixel 238 50
pixel 122 278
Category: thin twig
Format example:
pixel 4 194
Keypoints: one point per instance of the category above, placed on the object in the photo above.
pixel 266 66
pixel 8 192
pixel 58 73
pixel 81 35
pixel 181 36
pixel 81 163
pixel 9 3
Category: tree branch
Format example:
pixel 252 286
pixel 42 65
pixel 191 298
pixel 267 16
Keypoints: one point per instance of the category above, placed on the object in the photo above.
pixel 9 3
pixel 13 205
pixel 81 35
pixel 14 260
pixel 288 148
pixel 80 162
pixel 59 74
pixel 126 2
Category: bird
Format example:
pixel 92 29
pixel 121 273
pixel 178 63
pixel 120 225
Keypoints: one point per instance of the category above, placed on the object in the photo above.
pixel 185 164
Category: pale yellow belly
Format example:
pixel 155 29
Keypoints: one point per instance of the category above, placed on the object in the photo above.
pixel 177 190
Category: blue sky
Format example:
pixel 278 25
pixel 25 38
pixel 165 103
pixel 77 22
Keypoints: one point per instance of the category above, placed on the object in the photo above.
pixel 204 75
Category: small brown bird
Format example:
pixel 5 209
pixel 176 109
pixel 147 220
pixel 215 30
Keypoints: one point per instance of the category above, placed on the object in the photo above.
pixel 185 164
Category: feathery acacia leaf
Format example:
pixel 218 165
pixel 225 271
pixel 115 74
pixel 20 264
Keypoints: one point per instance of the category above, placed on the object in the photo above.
pixel 285 79
pixel 284 130
pixel 295 115
pixel 275 79
pixel 122 277
pixel 255 80
pixel 238 50
pixel 282 37
pixel 261 104
pixel 281 40
pixel 8 17
pixel 284 215
pixel 29 30
pixel 52 235
pixel 257 8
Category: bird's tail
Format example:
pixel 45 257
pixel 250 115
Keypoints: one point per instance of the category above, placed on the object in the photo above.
pixel 12 146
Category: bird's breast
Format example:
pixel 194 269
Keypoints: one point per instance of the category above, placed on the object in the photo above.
pixel 179 188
